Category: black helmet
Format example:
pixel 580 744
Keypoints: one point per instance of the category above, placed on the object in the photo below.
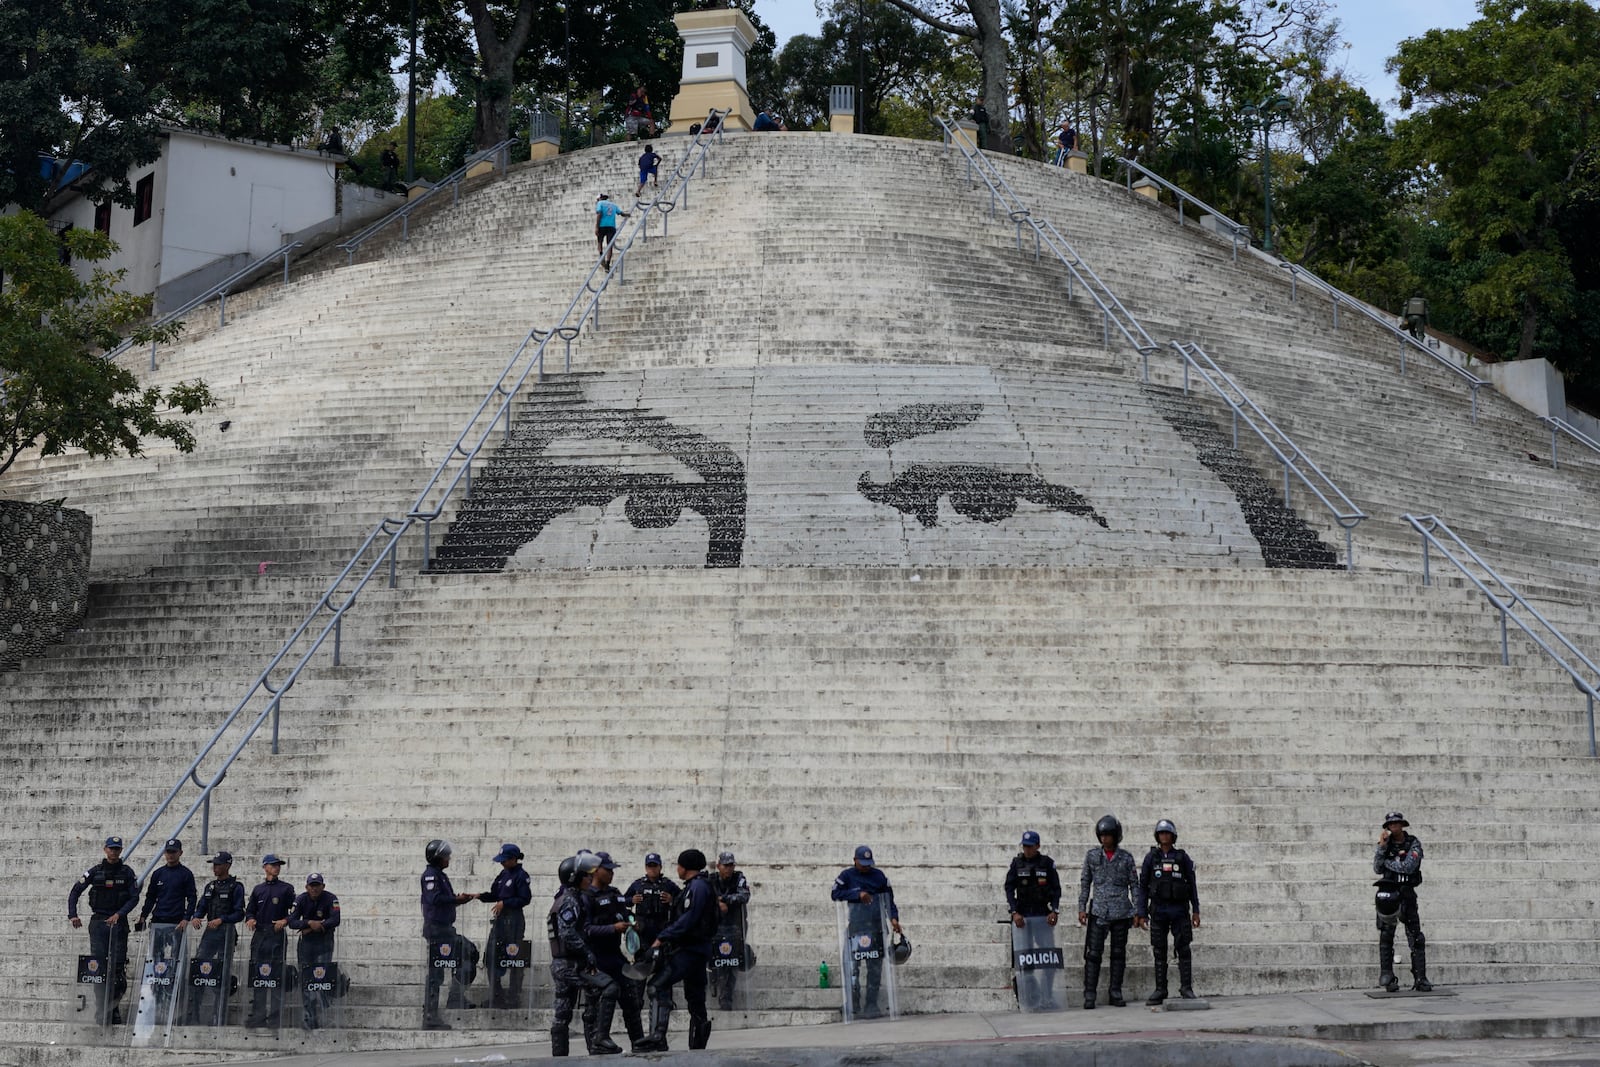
pixel 437 850
pixel 1164 826
pixel 572 869
pixel 1387 900
pixel 899 948
pixel 1108 824
pixel 588 863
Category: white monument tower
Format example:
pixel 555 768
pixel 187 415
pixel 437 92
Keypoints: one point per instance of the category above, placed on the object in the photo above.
pixel 714 47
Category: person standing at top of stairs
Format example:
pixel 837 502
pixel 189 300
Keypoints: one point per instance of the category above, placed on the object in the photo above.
pixel 1398 861
pixel 1109 876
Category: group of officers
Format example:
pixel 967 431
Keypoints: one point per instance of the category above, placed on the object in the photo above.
pixel 670 928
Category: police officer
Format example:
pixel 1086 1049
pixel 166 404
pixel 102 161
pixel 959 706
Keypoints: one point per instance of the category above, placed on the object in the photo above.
pixel 651 897
pixel 510 893
pixel 169 897
pixel 217 914
pixel 113 891
pixel 315 915
pixel 439 901
pixel 733 894
pixel 862 883
pixel 1169 899
pixel 266 914
pixel 1397 862
pixel 683 950
pixel 574 967
pixel 609 919
pixel 1033 890
pixel 1109 876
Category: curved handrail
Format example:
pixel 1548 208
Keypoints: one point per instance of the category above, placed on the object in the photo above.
pixel 381 545
pixel 452 181
pixel 1339 296
pixel 1558 426
pixel 1237 229
pixel 220 290
pixel 1283 447
pixel 1430 527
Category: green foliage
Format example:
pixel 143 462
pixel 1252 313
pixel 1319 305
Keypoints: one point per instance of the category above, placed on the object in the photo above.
pixel 54 390
pixel 444 141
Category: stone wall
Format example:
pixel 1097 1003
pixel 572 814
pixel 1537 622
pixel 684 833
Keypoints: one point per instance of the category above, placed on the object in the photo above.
pixel 44 576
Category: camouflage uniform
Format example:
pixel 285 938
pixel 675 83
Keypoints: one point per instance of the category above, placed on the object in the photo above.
pixel 1111 884
pixel 574 968
pixel 1400 862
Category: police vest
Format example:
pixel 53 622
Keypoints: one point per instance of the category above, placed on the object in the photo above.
pixel 1033 884
pixel 651 909
pixel 110 888
pixel 567 898
pixel 218 898
pixel 1169 878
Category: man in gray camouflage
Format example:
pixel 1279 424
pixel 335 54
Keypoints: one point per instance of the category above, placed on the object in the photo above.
pixel 1109 877
pixel 1397 861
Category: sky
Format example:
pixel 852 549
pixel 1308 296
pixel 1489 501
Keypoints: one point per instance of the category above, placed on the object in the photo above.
pixel 1373 28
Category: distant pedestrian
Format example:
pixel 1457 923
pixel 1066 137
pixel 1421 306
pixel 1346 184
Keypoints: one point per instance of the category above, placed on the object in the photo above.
pixel 980 116
pixel 649 169
pixel 765 123
pixel 390 158
pixel 636 115
pixel 1066 142
pixel 605 226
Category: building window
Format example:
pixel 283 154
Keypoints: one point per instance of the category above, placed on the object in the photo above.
pixel 144 194
pixel 102 217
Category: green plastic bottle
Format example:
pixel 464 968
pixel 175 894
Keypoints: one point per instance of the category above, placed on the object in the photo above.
pixel 822 975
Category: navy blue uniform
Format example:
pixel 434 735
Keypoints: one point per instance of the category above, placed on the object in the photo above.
pixel 1167 894
pixel 651 911
pixel 113 890
pixel 439 928
pixel 607 907
pixel 169 899
pixel 574 968
pixel 865 920
pixel 269 904
pixel 1033 890
pixel 734 891
pixel 513 891
pixel 687 944
pixel 315 948
pixel 221 901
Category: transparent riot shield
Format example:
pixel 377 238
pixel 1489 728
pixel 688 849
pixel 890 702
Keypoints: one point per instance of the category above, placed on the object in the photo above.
pixel 732 966
pixel 100 983
pixel 268 985
pixel 1036 964
pixel 161 999
pixel 319 989
pixel 212 987
pixel 451 963
pixel 867 977
pixel 512 971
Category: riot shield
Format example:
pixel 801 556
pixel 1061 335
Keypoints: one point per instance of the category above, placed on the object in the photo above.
pixel 100 982
pixel 732 965
pixel 1036 963
pixel 868 978
pixel 268 982
pixel 211 986
pixel 162 974
pixel 512 971
pixel 450 962
pixel 319 988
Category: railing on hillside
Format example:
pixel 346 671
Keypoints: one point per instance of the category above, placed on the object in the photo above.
pixel 220 291
pixel 1406 341
pixel 1559 426
pixel 1295 462
pixel 379 551
pixel 1436 535
pixel 500 153
pixel 1045 233
pixel 1238 230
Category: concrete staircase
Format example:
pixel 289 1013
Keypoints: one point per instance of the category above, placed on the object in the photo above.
pixel 834 314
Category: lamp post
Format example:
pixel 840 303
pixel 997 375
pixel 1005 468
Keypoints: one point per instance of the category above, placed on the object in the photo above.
pixel 411 101
pixel 1263 114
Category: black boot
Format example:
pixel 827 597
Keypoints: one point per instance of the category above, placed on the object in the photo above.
pixel 601 1044
pixel 588 1025
pixel 558 1041
pixel 1386 978
pixel 656 1041
pixel 699 1033
pixel 1158 953
pixel 1419 965
pixel 1119 964
pixel 1091 982
pixel 1186 977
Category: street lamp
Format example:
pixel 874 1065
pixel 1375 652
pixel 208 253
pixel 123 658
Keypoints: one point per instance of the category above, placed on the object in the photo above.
pixel 1270 109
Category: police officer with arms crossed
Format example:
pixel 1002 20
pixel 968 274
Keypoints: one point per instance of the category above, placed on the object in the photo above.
pixel 1170 900
pixel 1109 877
pixel 113 891
pixel 1397 861
pixel 733 894
pixel 862 883
pixel 316 915
pixel 1033 890
pixel 439 900
pixel 267 914
pixel 217 913
pixel 684 950
pixel 169 895
pixel 508 895
pixel 608 921
pixel 573 964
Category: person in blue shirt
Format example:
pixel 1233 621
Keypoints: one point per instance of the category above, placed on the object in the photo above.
pixel 684 949
pixel 113 891
pixel 439 900
pixel 511 892
pixel 315 915
pixel 218 911
pixel 867 890
pixel 266 914
pixel 606 211
pixel 168 902
pixel 649 168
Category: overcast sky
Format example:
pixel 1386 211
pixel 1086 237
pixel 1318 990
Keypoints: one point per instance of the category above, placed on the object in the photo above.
pixel 1372 27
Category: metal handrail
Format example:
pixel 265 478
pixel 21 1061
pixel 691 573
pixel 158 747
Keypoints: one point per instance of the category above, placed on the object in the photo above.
pixel 380 548
pixel 1045 234
pixel 1339 296
pixel 1558 426
pixel 453 180
pixel 1294 460
pixel 220 290
pixel 1238 229
pixel 1430 526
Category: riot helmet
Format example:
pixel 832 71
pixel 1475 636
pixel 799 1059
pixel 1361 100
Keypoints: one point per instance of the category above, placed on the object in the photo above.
pixel 437 850
pixel 1164 826
pixel 899 948
pixel 587 863
pixel 1108 824
pixel 567 871
pixel 1387 899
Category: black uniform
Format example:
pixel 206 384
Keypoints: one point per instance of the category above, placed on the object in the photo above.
pixel 222 899
pixel 1168 895
pixel 447 950
pixel 574 968
pixel 732 926
pixel 315 950
pixel 607 907
pixel 1398 865
pixel 652 913
pixel 1033 890
pixel 513 891
pixel 686 948
pixel 113 890
pixel 269 904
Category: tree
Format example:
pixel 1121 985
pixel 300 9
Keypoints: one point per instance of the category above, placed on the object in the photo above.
pixel 988 35
pixel 54 390
pixel 859 37
pixel 1508 107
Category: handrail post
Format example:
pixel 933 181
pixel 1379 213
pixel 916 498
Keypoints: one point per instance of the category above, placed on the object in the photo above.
pixel 1286 505
pixel 1427 579
pixel 394 552
pixel 1590 696
pixel 286 269
pixel 222 308
pixel 1349 550
pixel 1236 439
pixel 277 708
pixel 1505 652
pixel 338 639
pixel 205 826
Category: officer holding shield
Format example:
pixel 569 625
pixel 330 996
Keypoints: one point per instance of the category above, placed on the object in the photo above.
pixel 1033 891
pixel 508 896
pixel 1169 898
pixel 439 901
pixel 733 895
pixel 266 914
pixel 169 900
pixel 1397 862
pixel 867 890
pixel 217 913
pixel 113 891
pixel 315 915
